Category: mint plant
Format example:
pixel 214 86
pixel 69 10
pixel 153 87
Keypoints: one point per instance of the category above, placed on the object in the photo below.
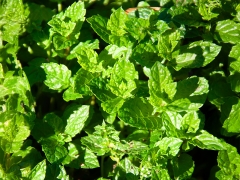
pixel 137 95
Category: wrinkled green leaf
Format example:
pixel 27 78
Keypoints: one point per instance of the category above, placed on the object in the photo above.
pixel 75 117
pixel 196 54
pixel 228 31
pixel 39 171
pixel 168 146
pixel 228 161
pixel 99 25
pixel 207 141
pixel 231 124
pixel 138 112
pixel 158 79
pixel 116 23
pixel 183 166
pixel 15 127
pixel 57 76
pixel 54 149
pixel 79 157
pixel 122 80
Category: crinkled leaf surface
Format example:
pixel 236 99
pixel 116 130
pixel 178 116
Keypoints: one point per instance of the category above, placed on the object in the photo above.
pixel 80 157
pixel 56 171
pixel 15 127
pixel 137 27
pixel 99 25
pixel 231 124
pixel 103 139
pixel 138 112
pixel 88 59
pixel 234 68
pixel 228 161
pixel 54 149
pixel 183 166
pixel 168 146
pixel 228 31
pixel 122 79
pixel 39 171
pixel 113 105
pixel 207 141
pixel 57 76
pixel 197 54
pixel 158 80
pixel 75 117
pixel 116 23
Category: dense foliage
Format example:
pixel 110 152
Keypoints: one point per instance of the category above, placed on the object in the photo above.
pixel 89 91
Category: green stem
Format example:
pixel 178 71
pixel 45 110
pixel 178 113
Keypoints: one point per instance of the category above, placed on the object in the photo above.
pixel 1 41
pixel 59 7
pixel 102 166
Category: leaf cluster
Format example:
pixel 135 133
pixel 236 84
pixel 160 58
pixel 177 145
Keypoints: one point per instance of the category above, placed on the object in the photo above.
pixel 130 95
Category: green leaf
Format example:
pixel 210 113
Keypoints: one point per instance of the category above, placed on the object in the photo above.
pixel 187 15
pixel 207 141
pixel 62 27
pixel 208 9
pixel 228 161
pixel 100 89
pixel 138 112
pixel 94 44
pixel 116 23
pixel 194 96
pixel 61 42
pixel 67 25
pixel 158 79
pixel 17 85
pixel 120 41
pixel 13 20
pixel 196 54
pixel 54 149
pixel 217 94
pixel 126 168
pixel 34 72
pixel 183 166
pixel 103 140
pixel 39 171
pixel 79 85
pixel 55 171
pixel 159 173
pixel 69 94
pixel 76 12
pixel 75 117
pixel 15 127
pixel 99 25
pixel 57 76
pixel 122 79
pixel 145 54
pixel 137 27
pixel 138 135
pixel 231 123
pixel 227 31
pixel 34 19
pixel 113 105
pixel 80 157
pixel 167 43
pixel 168 146
pixel 55 122
pixel 234 68
pixel 191 122
pixel 41 38
pixel 89 60
pixel 29 157
pixel 172 122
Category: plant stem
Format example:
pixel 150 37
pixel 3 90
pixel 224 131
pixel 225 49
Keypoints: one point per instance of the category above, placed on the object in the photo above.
pixel 102 166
